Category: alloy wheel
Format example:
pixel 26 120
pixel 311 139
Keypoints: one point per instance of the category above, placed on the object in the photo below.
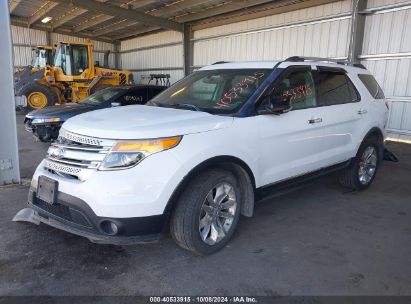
pixel 368 165
pixel 217 213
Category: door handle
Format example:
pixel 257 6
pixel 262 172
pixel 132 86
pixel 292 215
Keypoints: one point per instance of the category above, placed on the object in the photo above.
pixel 362 111
pixel 315 120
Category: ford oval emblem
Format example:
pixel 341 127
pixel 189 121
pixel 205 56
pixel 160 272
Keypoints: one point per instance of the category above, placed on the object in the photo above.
pixel 58 153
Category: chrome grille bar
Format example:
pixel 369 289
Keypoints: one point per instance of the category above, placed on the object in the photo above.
pixel 76 155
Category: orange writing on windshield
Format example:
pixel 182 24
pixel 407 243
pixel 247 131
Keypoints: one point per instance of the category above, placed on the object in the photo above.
pixel 230 96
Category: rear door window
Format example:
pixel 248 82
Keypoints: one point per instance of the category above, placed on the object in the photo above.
pixel 372 86
pixel 334 87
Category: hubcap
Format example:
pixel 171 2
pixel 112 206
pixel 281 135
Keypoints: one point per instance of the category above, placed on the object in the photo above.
pixel 368 165
pixel 217 213
pixel 37 100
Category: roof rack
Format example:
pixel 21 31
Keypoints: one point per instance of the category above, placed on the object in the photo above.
pixel 337 61
pixel 220 62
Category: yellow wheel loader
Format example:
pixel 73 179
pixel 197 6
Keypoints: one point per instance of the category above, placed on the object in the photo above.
pixel 42 56
pixel 73 76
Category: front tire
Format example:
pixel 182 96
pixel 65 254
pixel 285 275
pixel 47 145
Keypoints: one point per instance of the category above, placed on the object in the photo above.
pixel 38 96
pixel 361 173
pixel 207 212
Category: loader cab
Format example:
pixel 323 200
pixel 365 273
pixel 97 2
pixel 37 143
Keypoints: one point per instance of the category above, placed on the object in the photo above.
pixel 74 61
pixel 42 56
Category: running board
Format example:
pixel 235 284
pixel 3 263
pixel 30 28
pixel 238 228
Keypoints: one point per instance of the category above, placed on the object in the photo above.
pixel 283 187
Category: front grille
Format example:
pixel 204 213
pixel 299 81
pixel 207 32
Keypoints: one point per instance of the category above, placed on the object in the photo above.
pixel 75 155
pixel 63 212
pixel 56 209
pixel 75 138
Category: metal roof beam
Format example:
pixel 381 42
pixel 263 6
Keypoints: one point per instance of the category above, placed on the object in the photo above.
pixel 75 12
pixel 13 5
pixel 23 23
pixel 103 18
pixel 116 11
pixel 114 27
pixel 221 9
pixel 136 32
pixel 96 20
pixel 42 11
pixel 176 7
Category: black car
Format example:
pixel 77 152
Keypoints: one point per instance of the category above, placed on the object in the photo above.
pixel 45 123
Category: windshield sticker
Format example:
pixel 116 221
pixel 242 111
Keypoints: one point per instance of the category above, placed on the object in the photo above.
pixel 230 96
pixel 298 92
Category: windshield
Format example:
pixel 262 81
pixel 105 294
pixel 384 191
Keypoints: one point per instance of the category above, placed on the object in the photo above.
pixel 72 59
pixel 102 96
pixel 40 58
pixel 214 91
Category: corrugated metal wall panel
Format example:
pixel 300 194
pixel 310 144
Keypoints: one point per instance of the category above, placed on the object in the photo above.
pixel 317 31
pixel 159 58
pixel 277 20
pixel 388 33
pixel 28 37
pixel 22 35
pixel 22 56
pixel 377 3
pixel 151 40
pixel 326 39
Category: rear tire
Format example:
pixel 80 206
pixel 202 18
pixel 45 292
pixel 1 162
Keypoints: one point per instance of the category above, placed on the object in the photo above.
pixel 38 96
pixel 207 212
pixel 361 173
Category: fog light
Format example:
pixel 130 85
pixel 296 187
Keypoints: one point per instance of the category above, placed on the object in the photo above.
pixel 109 227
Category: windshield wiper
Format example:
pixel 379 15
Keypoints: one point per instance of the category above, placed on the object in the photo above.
pixel 177 105
pixel 188 105
pixel 152 103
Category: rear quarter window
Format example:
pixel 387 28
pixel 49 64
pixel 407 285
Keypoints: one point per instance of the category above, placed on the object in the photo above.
pixel 372 86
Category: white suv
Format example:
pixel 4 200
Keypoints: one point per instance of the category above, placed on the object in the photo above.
pixel 203 151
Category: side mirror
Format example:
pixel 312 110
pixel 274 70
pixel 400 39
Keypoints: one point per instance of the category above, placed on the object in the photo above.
pixel 276 105
pixel 115 104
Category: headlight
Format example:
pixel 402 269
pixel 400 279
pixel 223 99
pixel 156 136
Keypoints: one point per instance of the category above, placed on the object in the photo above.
pixel 126 154
pixel 44 120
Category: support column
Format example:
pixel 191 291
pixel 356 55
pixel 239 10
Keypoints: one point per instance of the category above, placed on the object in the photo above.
pixel 117 55
pixel 188 47
pixel 48 38
pixel 9 158
pixel 357 29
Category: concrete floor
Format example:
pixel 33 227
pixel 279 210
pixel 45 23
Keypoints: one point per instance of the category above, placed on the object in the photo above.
pixel 320 240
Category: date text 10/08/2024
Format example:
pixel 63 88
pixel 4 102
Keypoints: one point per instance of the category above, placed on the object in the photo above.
pixel 205 299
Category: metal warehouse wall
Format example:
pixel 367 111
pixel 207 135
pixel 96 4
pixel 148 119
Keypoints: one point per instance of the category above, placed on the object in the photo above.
pixel 317 31
pixel 24 39
pixel 387 54
pixel 153 54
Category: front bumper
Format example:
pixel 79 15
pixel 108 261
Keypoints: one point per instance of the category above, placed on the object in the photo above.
pixel 73 215
pixel 44 132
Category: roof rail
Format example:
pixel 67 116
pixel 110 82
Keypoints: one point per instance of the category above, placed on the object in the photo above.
pixel 337 61
pixel 220 62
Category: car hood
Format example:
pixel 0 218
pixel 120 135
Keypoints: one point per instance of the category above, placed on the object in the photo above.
pixel 62 111
pixel 140 122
